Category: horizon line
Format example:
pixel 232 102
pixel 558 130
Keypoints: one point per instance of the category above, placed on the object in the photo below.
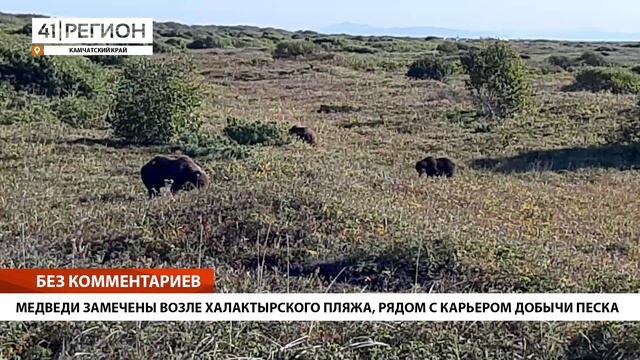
pixel 553 35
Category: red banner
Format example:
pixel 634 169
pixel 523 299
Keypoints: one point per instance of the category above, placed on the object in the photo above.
pixel 106 280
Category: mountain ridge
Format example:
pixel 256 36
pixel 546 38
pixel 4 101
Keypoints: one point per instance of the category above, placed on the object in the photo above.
pixel 584 34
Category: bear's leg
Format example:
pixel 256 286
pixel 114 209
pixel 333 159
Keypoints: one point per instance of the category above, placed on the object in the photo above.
pixel 153 192
pixel 176 186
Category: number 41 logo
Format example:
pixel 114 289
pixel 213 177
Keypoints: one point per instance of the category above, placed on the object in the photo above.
pixel 47 29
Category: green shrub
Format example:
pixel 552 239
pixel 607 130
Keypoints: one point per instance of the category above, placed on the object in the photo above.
pixel 175 42
pixel 498 79
pixel 170 33
pixel 216 147
pixel 447 47
pixel 160 47
pixel 329 40
pixel 256 132
pixel 560 61
pixel 546 69
pixel 463 46
pixel 50 76
pixel 591 58
pixel 80 112
pixel 273 36
pixel 209 42
pixel 433 67
pixel 359 49
pixel 107 60
pixel 627 133
pixel 156 100
pixel 23 107
pixel 615 80
pixel 605 49
pixel 25 30
pixel 294 48
pixel 636 69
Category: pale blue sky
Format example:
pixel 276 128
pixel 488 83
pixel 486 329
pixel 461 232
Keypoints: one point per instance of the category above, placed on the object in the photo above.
pixel 492 15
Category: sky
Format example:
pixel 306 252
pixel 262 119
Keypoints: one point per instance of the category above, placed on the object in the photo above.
pixel 476 15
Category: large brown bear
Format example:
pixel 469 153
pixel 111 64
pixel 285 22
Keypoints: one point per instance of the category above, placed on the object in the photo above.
pixel 182 171
pixel 431 166
pixel 303 133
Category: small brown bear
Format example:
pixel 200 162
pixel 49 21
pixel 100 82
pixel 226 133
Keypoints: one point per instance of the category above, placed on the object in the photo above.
pixel 305 134
pixel 182 171
pixel 436 167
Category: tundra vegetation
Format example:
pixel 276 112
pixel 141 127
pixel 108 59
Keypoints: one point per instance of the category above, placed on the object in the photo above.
pixel 546 134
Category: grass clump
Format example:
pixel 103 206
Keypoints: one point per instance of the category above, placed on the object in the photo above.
pixel 498 78
pixel 615 80
pixel 434 67
pixel 255 132
pixel 156 101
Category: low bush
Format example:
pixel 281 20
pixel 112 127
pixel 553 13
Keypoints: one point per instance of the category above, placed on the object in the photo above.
pixel 615 80
pixel 463 46
pixel 23 107
pixel 546 69
pixel 209 42
pixel 294 49
pixel 80 112
pixel 560 61
pixel 605 49
pixel 591 58
pixel 176 42
pixel 433 67
pixel 256 132
pixel 49 76
pixel 447 47
pixel 215 147
pixel 161 47
pixel 359 49
pixel 106 60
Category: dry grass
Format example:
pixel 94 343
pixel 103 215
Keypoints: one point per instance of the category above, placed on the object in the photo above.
pixel 541 205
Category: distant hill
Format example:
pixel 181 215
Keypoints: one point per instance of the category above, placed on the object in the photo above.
pixel 421 31
pixel 586 34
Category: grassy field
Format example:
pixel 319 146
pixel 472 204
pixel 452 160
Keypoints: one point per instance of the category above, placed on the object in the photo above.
pixel 543 203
